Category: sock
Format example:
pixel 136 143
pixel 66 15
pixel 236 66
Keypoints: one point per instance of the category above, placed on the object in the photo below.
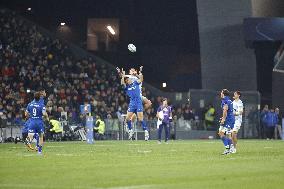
pixel 144 125
pixel 36 136
pixel 129 125
pixel 229 142
pixel 39 149
pixel 225 141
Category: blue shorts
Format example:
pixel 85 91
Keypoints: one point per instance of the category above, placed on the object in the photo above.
pixel 36 126
pixel 229 124
pixel 136 106
pixel 25 129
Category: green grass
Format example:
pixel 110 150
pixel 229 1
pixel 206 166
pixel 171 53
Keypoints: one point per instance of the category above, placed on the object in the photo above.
pixel 130 164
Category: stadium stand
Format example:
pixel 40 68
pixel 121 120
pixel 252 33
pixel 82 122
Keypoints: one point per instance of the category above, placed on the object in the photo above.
pixel 32 59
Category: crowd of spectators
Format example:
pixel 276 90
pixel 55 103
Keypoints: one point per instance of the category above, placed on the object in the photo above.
pixel 271 121
pixel 30 61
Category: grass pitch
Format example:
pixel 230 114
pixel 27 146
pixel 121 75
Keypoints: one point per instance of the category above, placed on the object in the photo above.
pixel 139 164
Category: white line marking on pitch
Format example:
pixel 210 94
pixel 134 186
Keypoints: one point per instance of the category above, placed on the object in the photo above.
pixel 54 146
pixel 134 187
pixel 70 155
pixel 144 151
pixel 77 187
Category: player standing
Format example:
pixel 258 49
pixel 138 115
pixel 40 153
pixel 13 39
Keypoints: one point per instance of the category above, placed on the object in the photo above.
pixel 35 111
pixel 164 115
pixel 26 124
pixel 227 120
pixel 133 90
pixel 238 111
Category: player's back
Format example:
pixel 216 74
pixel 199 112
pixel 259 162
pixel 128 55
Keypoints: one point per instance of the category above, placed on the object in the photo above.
pixel 35 110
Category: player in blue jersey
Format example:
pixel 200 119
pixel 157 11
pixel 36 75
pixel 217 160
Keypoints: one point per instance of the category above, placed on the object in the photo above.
pixel 36 111
pixel 164 115
pixel 133 75
pixel 227 120
pixel 133 90
pixel 25 126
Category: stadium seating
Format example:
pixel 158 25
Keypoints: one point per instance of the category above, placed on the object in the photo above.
pixel 32 58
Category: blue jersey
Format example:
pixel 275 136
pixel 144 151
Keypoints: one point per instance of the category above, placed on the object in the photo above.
pixel 35 110
pixel 230 119
pixel 133 90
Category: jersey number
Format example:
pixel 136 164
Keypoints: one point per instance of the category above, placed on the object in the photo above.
pixel 34 112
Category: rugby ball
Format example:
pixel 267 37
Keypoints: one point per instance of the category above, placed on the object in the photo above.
pixel 131 48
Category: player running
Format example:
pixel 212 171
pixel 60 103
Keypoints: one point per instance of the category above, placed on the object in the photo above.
pixel 133 90
pixel 227 120
pixel 35 111
pixel 238 111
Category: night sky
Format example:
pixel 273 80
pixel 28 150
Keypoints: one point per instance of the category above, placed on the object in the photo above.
pixel 162 22
pixel 149 24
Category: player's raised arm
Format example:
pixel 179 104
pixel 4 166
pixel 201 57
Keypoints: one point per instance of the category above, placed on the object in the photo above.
pixel 119 71
pixel 122 81
pixel 140 75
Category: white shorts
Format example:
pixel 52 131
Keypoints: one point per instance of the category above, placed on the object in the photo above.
pixel 237 126
pixel 225 130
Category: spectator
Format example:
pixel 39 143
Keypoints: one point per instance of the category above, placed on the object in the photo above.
pixel 18 120
pixel 210 117
pixel 278 128
pixel 263 119
pixel 188 114
pixel 99 129
pixel 56 129
pixel 271 121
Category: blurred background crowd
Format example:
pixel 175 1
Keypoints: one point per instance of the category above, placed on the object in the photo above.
pixel 31 61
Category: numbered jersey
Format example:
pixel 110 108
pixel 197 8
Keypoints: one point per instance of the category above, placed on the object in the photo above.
pixel 35 110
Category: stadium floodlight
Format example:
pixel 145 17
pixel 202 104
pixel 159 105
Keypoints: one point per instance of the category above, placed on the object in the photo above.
pixel 62 24
pixel 111 30
pixel 29 9
pixel 164 85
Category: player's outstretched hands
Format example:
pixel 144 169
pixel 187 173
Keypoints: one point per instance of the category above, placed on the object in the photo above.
pixel 122 72
pixel 118 70
pixel 140 69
